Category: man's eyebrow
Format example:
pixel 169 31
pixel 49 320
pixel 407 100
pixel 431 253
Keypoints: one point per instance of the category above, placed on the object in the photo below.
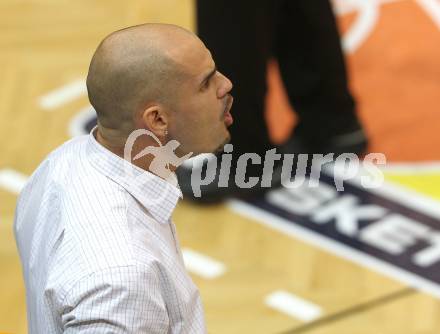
pixel 208 76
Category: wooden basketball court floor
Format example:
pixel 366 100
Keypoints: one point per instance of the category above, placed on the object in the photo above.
pixel 257 272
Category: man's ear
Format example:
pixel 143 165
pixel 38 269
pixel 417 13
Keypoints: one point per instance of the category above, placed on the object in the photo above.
pixel 154 118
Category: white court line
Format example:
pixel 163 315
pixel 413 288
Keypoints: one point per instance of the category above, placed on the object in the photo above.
pixel 342 7
pixel 415 168
pixel 63 95
pixel 12 180
pixel 432 8
pixel 334 247
pixel 360 30
pixel 365 22
pixel 202 265
pixel 293 306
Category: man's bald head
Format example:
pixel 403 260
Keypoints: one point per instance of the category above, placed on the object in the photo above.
pixel 132 67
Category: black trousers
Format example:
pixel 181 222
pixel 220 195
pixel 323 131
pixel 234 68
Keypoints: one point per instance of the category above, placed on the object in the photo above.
pixel 302 35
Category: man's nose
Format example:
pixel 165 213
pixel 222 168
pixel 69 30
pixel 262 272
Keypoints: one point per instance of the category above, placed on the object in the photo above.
pixel 225 87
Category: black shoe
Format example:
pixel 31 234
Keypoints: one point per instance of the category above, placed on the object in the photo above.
pixel 351 140
pixel 210 193
pixel 219 190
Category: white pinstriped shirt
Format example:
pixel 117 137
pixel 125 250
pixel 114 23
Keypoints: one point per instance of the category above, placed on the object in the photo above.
pixel 98 248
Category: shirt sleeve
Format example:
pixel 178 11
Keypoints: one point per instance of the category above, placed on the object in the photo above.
pixel 116 300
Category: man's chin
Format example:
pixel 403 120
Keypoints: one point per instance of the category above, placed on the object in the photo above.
pixel 215 150
pixel 219 149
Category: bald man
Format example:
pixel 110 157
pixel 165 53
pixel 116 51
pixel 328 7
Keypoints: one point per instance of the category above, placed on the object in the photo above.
pixel 93 225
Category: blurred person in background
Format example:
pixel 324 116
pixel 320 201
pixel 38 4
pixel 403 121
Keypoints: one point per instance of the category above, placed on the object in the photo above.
pixel 303 37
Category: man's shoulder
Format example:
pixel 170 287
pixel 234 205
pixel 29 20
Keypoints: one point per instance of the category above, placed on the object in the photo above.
pixel 70 173
pixel 46 182
pixel 69 148
pixel 59 160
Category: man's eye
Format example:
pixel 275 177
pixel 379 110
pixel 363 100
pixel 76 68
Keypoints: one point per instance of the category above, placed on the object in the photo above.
pixel 205 86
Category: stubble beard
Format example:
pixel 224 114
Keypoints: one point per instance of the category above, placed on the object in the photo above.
pixel 219 149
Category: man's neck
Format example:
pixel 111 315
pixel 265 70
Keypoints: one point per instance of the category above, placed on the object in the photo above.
pixel 117 146
pixel 110 144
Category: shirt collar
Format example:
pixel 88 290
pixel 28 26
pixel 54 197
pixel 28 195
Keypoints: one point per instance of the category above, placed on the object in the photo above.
pixel 157 195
